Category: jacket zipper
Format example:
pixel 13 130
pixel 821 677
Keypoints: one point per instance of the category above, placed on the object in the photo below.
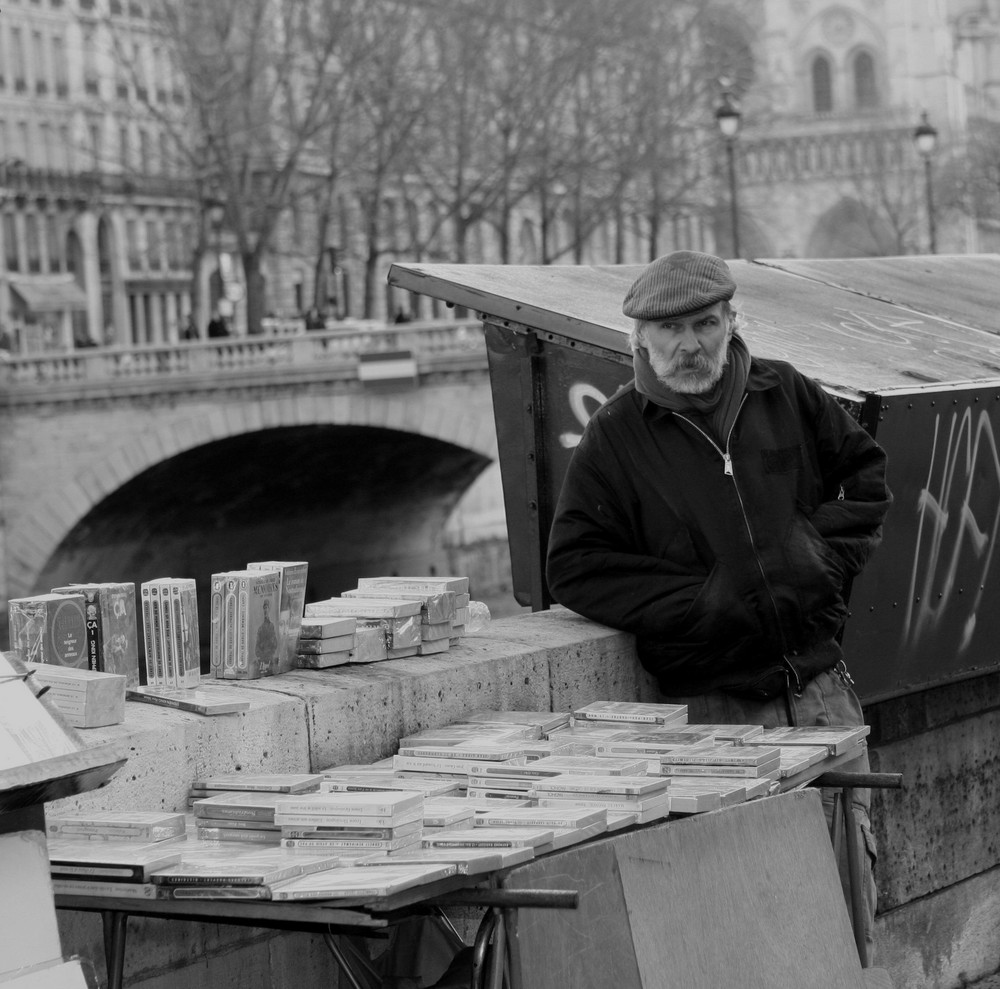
pixel 727 470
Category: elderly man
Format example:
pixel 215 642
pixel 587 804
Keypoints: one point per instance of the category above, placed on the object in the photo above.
pixel 718 507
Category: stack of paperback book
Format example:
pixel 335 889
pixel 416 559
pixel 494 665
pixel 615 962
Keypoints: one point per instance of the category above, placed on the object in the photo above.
pixel 445 596
pixel 540 840
pixel 49 628
pixel 456 761
pixel 838 739
pixel 348 779
pixel 170 632
pixel 245 609
pixel 385 820
pixel 238 815
pixel 215 872
pixel 645 796
pixel 570 825
pixel 326 642
pixel 748 761
pixel 397 618
pixel 628 713
pixel 514 780
pixel 112 854
pixel 437 611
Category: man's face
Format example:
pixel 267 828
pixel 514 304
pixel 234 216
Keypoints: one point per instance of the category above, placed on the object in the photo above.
pixel 689 352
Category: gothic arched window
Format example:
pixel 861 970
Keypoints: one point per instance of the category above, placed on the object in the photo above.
pixel 865 86
pixel 822 84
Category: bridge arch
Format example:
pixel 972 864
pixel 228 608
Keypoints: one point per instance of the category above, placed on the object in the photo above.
pixel 188 491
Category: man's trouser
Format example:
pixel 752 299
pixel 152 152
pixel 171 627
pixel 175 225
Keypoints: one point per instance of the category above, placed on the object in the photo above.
pixel 826 700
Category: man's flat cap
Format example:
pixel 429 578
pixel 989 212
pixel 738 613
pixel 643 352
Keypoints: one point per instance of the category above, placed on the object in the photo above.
pixel 679 283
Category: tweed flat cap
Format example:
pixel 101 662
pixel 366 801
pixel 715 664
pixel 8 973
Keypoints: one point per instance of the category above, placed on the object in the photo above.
pixel 678 283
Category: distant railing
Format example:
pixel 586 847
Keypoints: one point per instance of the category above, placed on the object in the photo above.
pixel 329 350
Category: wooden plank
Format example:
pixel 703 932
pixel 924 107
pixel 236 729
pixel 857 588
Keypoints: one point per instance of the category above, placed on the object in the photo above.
pixel 746 895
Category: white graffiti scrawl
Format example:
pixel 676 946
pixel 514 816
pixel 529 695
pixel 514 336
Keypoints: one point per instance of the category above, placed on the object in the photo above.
pixel 578 394
pixel 959 518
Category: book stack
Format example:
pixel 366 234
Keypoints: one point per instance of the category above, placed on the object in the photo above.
pixel 466 861
pixel 85 698
pixel 697 794
pixel 326 642
pixel 291 603
pixel 245 605
pixel 797 759
pixel 645 796
pixel 112 867
pixel 437 612
pixel 722 759
pixel 585 736
pixel 239 815
pixel 214 786
pixel 49 628
pixel 170 632
pixel 398 619
pixel 497 781
pixel 356 821
pixel 539 839
pixel 448 813
pixel 112 636
pixel 211 872
pixel 457 587
pixel 456 761
pixel 366 881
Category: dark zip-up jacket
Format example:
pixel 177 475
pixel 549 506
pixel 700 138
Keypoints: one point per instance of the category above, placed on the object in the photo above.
pixel 727 558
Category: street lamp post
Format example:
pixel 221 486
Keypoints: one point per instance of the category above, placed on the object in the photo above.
pixel 728 118
pixel 925 138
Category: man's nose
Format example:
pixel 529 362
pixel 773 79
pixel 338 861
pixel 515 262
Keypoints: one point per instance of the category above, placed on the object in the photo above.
pixel 689 341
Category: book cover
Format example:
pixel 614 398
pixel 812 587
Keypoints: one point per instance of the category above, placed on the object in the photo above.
pixel 444 766
pixel 747 772
pixel 217 600
pixel 654 803
pixel 353 844
pixel 250 632
pixel 418 585
pixel 364 881
pixel 332 832
pixel 371 641
pixel 495 795
pixel 250 806
pixel 96 887
pixel 233 823
pixel 112 630
pixel 315 825
pixel 640 713
pixel 544 721
pixel 291 606
pixel 436 607
pixel 205 702
pixel 49 628
pixel 253 836
pixel 136 825
pixel 653 743
pixel 327 628
pixel 428 786
pixel 489 837
pixel 214 892
pixel 267 782
pixel 725 733
pixel 434 648
pixel 362 607
pixel 798 758
pixel 440 812
pixel 179 601
pixel 467 749
pixel 149 656
pixel 565 837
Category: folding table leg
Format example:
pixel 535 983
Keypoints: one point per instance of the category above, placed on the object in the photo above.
pixel 344 963
pixel 115 924
pixel 480 947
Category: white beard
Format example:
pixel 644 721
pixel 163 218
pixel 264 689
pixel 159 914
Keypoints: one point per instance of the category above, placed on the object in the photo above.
pixel 693 374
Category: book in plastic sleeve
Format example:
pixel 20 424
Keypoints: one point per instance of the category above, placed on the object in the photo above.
pixel 797 759
pixel 467 861
pixel 233 823
pixel 49 628
pixel 765 757
pixel 633 786
pixel 565 837
pixel 418 585
pixel 253 836
pixel 466 749
pixel 322 661
pixel 435 607
pixel 317 825
pixel 489 837
pixel 363 881
pixel 208 702
pixel 381 803
pixel 837 738
pixel 319 647
pixel 97 887
pixel 370 642
pixel 112 630
pixel 213 865
pixel 137 825
pixel 246 805
pixel 544 721
pixel 433 648
pixel 544 817
pixel 737 734
pixel 292 596
pixel 181 600
pixel 327 628
pixel 261 782
pixel 629 711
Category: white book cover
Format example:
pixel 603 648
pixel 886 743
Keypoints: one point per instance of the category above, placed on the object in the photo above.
pixel 374 880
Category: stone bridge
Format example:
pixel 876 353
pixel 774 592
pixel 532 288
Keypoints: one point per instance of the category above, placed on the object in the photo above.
pixel 348 448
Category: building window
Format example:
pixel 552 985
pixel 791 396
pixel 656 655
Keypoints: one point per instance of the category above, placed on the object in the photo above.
pixel 153 245
pixel 11 256
pixel 17 59
pixel 865 86
pixel 822 84
pixel 54 243
pixel 59 65
pixel 38 56
pixel 32 243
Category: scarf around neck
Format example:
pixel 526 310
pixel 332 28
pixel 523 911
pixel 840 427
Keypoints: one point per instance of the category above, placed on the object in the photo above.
pixel 717 406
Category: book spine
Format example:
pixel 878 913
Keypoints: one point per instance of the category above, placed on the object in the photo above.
pixel 229 633
pixel 217 597
pixel 177 635
pixel 248 835
pixel 469 843
pixel 302 826
pixel 189 879
pixel 95 638
pixel 351 844
pixel 125 873
pixel 167 632
pixel 147 635
pixel 390 808
pixel 264 814
pixel 161 669
pixel 84 887
pixel 735 772
pixel 243 628
pixel 214 893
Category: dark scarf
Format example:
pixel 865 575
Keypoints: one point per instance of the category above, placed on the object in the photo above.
pixel 718 407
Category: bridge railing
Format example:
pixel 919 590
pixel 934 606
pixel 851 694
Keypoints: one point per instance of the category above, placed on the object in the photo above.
pixel 338 348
